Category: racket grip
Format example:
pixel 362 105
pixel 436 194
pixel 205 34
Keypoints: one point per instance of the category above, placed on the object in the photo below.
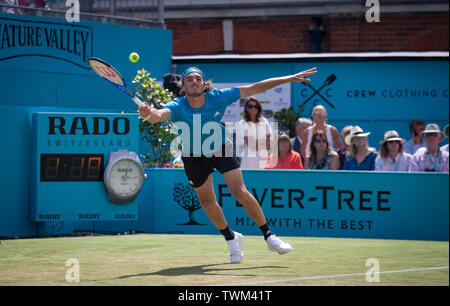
pixel 137 101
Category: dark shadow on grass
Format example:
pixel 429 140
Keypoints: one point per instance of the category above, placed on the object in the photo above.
pixel 201 270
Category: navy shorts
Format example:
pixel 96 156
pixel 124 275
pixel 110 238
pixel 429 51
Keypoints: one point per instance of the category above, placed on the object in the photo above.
pixel 199 168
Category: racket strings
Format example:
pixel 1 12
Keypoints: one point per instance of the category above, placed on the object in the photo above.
pixel 106 72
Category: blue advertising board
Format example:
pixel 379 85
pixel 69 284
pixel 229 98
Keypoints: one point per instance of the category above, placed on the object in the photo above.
pixel 44 69
pixel 70 42
pixel 69 155
pixel 313 203
pixel 49 56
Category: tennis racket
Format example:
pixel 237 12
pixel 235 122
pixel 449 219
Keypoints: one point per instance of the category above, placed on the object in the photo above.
pixel 109 73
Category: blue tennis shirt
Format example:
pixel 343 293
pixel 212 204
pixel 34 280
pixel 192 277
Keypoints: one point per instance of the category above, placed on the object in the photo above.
pixel 202 125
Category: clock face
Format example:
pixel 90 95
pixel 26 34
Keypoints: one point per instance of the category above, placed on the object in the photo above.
pixel 125 177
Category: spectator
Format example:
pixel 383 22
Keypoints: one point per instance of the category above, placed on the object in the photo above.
pixel 343 151
pixel 322 156
pixel 31 3
pixel 430 158
pixel 445 147
pixel 23 3
pixel 86 7
pixel 9 10
pixel 171 83
pixel 416 128
pixel 286 158
pixel 300 128
pixel 392 156
pixel 360 155
pixel 255 128
pixel 319 114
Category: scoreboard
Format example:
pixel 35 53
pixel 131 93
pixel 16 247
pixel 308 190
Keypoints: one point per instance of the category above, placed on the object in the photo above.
pixel 68 162
pixel 71 167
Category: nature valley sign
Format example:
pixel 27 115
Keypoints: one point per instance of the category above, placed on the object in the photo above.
pixel 69 42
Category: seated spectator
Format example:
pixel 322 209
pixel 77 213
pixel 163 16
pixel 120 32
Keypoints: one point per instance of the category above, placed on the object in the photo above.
pixel 300 128
pixel 286 158
pixel 392 156
pixel 322 156
pixel 342 152
pixel 319 115
pixel 31 3
pixel 86 6
pixel 23 3
pixel 445 147
pixel 9 10
pixel 360 155
pixel 416 128
pixel 430 158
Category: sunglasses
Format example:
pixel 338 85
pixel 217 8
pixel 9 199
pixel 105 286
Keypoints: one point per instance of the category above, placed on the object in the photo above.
pixel 250 106
pixel 318 141
pixel 393 141
pixel 431 135
pixel 317 113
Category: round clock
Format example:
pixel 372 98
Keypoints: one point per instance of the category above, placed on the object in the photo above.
pixel 124 176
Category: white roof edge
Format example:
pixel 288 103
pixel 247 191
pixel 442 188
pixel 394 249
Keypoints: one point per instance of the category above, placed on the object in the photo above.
pixel 310 55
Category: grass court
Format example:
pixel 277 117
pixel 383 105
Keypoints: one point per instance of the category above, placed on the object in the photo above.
pixel 202 260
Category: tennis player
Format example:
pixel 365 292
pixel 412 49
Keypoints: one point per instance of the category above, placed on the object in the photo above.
pixel 198 107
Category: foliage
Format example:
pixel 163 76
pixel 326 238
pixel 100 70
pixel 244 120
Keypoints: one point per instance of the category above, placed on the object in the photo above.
pixel 157 135
pixel 287 119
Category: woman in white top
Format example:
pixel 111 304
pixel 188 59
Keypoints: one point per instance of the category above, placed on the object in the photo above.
pixel 255 128
pixel 319 114
pixel 392 156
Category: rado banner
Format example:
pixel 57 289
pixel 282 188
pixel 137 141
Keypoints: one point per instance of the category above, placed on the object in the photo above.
pixel 70 154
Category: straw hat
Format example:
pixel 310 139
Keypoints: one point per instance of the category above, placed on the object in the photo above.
pixel 392 136
pixel 433 128
pixel 356 131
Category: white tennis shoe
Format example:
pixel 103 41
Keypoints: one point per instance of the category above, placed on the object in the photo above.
pixel 275 244
pixel 235 246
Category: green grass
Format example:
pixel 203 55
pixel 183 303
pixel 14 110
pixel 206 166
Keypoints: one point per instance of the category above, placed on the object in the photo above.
pixel 154 259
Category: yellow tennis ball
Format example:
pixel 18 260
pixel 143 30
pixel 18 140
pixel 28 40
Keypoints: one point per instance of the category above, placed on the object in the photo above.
pixel 134 57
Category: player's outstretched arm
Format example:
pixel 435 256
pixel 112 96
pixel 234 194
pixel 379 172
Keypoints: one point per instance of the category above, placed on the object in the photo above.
pixel 153 115
pixel 256 88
